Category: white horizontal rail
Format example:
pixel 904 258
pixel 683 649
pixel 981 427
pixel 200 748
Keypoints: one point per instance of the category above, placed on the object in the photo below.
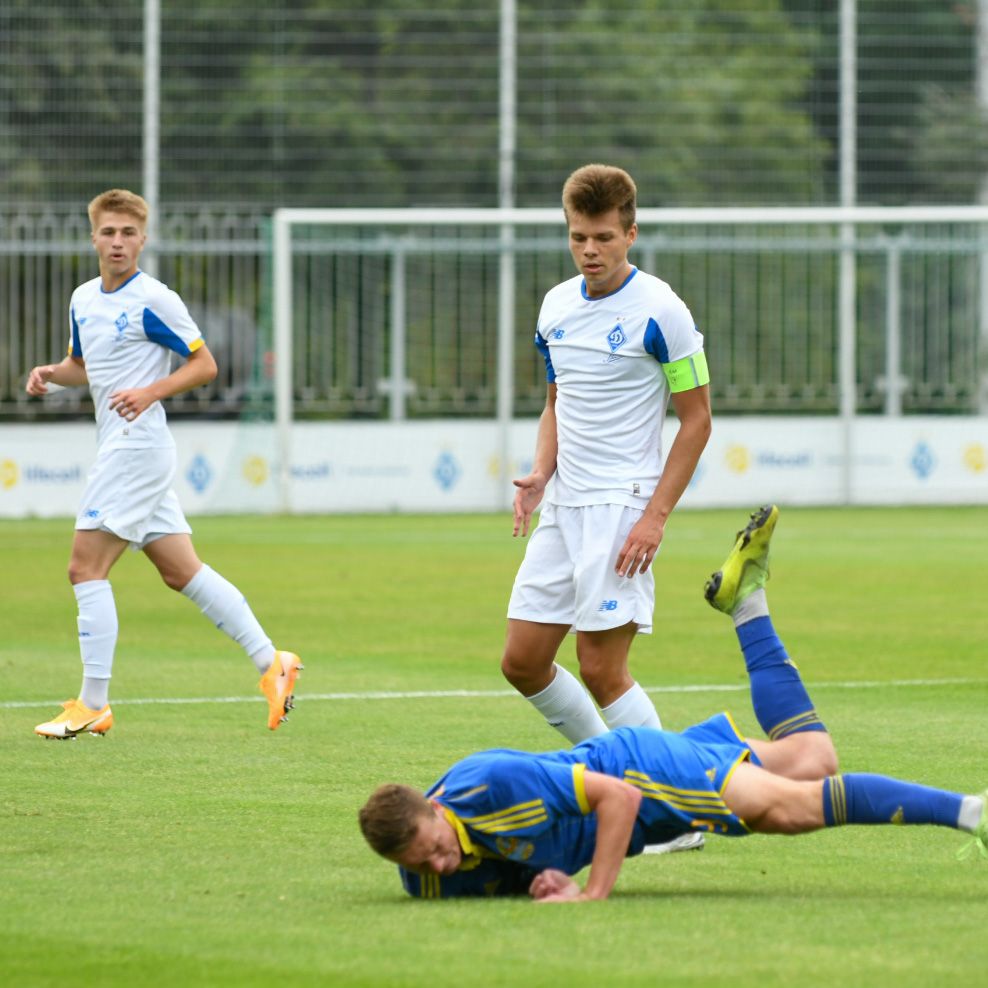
pixel 712 216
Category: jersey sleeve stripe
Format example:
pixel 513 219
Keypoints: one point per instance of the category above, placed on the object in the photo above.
pixel 158 331
pixel 75 344
pixel 655 343
pixel 550 373
pixel 580 787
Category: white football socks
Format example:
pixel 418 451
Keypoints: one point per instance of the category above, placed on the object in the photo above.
pixel 228 609
pixel 567 707
pixel 970 814
pixel 98 626
pixel 631 709
pixel 753 606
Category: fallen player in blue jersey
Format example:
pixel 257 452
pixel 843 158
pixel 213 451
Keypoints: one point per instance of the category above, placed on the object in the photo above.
pixel 503 822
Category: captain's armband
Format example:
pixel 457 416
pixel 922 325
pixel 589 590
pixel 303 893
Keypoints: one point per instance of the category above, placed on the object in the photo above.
pixel 688 373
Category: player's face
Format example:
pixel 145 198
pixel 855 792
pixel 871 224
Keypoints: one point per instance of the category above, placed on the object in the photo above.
pixel 434 849
pixel 118 239
pixel 600 245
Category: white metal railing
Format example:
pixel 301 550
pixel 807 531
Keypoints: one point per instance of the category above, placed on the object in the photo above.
pixel 846 221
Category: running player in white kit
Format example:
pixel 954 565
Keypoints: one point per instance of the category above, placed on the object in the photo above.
pixel 618 345
pixel 124 326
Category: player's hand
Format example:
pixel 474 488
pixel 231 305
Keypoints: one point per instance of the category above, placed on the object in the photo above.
pixel 37 380
pixel 553 885
pixel 639 547
pixel 130 402
pixel 527 499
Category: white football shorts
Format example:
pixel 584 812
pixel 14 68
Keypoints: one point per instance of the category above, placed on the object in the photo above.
pixel 568 577
pixel 129 493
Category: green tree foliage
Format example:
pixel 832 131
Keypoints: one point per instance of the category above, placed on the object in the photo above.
pixel 331 102
pixel 704 102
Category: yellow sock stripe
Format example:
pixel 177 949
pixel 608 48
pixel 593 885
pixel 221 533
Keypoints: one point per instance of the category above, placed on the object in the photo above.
pixel 838 800
pixel 793 724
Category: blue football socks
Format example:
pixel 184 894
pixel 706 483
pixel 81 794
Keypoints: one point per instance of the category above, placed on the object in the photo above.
pixel 865 798
pixel 781 702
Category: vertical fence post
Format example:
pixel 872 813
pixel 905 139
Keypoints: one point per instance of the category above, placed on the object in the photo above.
pixel 506 264
pixel 894 383
pixel 151 127
pixel 283 357
pixel 398 384
pixel 847 289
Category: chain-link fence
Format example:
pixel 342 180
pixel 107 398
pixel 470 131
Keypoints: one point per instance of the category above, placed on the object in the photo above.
pixel 325 102
pixel 328 102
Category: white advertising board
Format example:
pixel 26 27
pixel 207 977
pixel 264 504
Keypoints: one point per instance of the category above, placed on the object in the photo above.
pixel 226 467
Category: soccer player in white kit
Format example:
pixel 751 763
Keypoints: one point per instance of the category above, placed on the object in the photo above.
pixel 618 345
pixel 124 326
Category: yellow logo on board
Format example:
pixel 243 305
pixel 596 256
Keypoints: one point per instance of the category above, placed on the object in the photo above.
pixel 975 458
pixel 738 458
pixel 9 474
pixel 255 470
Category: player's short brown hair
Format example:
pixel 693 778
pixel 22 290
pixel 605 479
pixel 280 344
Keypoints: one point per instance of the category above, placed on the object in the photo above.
pixel 389 820
pixel 119 201
pixel 596 189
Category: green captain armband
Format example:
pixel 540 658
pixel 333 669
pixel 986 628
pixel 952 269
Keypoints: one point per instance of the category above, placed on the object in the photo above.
pixel 688 373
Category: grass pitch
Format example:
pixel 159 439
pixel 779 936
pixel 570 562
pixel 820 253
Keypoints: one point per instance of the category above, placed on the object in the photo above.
pixel 193 847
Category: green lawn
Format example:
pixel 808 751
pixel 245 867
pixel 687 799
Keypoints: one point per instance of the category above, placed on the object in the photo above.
pixel 193 847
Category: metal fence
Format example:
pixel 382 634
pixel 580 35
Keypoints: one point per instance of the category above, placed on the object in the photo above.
pixel 396 103
pixel 766 300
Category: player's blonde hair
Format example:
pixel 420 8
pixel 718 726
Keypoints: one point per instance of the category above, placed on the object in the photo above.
pixel 118 201
pixel 596 189
pixel 389 820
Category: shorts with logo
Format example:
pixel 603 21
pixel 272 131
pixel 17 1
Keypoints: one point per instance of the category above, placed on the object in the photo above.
pixel 568 576
pixel 129 493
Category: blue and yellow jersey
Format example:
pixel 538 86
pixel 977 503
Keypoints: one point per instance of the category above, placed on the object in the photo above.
pixel 532 810
pixel 482 877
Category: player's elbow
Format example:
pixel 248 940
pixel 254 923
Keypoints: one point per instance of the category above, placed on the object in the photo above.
pixel 632 798
pixel 201 368
pixel 207 367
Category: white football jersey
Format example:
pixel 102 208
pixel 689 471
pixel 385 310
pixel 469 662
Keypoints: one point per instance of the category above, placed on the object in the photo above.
pixel 605 356
pixel 126 337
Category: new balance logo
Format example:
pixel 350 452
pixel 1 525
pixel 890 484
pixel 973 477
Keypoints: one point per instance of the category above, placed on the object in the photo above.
pixel 608 605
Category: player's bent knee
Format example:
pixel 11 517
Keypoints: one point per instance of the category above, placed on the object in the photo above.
pixel 516 671
pixel 820 758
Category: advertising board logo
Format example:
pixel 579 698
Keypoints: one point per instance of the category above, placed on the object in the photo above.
pixel 9 474
pixel 738 458
pixel 255 470
pixel 199 473
pixel 975 458
pixel 923 462
pixel 446 471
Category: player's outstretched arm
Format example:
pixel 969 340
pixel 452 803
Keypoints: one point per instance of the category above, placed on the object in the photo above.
pixel 68 373
pixel 616 804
